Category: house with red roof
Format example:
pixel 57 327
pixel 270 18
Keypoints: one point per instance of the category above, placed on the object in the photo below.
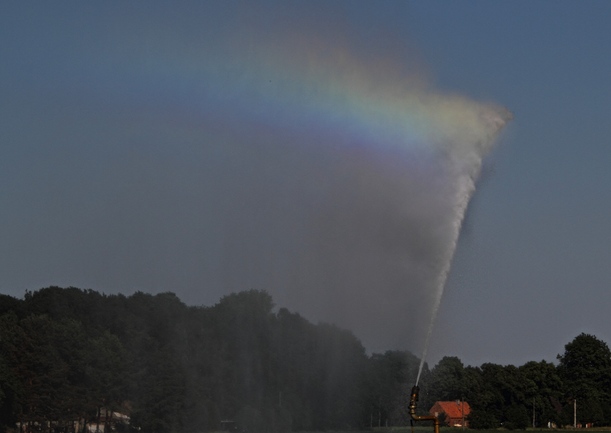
pixel 454 412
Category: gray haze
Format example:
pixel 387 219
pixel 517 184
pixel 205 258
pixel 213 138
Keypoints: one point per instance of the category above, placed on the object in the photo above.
pixel 306 149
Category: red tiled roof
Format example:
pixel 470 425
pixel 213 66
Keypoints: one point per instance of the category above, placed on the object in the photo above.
pixel 453 409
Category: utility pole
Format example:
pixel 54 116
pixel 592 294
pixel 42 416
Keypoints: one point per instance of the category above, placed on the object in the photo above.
pixel 574 413
pixel 533 412
pixel 462 411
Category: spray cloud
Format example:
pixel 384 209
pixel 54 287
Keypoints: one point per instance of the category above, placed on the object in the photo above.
pixel 388 166
pixel 275 147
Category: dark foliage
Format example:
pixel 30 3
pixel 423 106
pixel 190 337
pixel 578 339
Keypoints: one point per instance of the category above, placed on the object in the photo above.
pixel 71 356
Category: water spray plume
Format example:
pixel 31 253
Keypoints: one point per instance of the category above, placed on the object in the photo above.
pixel 363 110
pixel 494 121
pixel 304 156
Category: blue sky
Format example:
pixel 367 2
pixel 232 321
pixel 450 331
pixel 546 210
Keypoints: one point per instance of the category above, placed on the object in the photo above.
pixel 531 270
pixel 129 162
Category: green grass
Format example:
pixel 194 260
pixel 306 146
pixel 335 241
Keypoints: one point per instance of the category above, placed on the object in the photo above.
pixel 429 429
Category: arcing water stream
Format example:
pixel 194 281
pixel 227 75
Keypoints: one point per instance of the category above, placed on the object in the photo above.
pixel 467 187
pixel 466 180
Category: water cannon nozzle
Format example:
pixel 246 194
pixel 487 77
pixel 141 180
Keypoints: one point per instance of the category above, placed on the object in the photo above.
pixel 413 400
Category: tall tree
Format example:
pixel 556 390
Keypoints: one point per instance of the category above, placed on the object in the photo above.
pixel 106 375
pixel 585 369
pixel 447 380
pixel 11 384
pixel 389 381
pixel 47 356
pixel 544 392
pixel 501 399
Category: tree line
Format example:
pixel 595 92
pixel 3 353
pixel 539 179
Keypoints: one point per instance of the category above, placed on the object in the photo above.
pixel 70 356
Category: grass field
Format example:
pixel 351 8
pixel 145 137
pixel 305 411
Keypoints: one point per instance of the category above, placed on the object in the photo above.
pixel 424 429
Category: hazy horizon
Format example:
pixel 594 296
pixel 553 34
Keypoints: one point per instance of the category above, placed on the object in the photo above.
pixel 324 153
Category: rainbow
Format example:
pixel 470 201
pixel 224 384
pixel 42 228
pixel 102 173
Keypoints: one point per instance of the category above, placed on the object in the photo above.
pixel 308 86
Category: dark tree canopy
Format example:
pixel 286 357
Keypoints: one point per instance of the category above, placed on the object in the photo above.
pixel 585 370
pixel 585 367
pixel 72 355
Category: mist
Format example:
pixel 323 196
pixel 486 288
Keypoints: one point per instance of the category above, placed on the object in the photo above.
pixel 226 148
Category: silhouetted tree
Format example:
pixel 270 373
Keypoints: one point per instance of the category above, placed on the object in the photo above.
pixel 68 354
pixel 585 370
